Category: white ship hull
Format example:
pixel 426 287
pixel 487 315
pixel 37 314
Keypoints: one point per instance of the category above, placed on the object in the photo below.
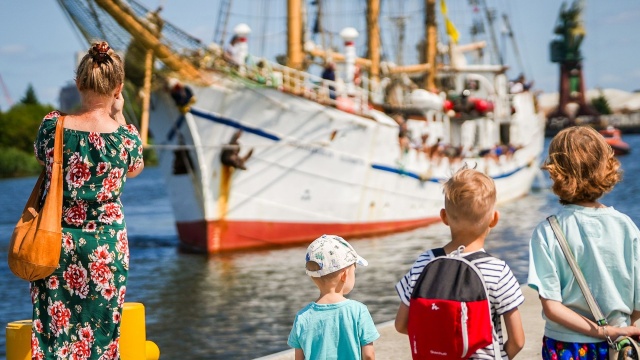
pixel 314 169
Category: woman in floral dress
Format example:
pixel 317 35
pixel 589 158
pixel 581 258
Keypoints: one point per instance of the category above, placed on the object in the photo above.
pixel 77 310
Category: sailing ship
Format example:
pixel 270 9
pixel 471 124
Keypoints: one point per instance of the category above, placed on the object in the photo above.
pixel 258 153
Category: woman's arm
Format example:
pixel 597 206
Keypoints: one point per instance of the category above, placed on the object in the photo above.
pixel 560 314
pixel 299 354
pixel 136 172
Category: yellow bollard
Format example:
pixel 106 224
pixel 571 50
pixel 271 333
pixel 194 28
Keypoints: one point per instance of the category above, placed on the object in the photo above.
pixel 153 351
pixel 19 340
pixel 133 342
pixel 132 332
pixel 133 336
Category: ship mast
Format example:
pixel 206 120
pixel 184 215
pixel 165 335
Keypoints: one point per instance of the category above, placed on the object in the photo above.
pixel 431 38
pixel 294 29
pixel 490 17
pixel 373 38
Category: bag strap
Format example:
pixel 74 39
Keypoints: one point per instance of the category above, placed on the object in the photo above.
pixel 477 255
pixel 438 252
pixel 58 144
pixel 573 264
pixel 591 301
pixel 53 201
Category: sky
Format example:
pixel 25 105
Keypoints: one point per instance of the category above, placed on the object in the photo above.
pixel 38 44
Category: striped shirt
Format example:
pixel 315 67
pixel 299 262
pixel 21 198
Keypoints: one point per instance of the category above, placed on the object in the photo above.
pixel 502 287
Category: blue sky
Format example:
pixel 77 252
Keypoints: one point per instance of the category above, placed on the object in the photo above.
pixel 38 44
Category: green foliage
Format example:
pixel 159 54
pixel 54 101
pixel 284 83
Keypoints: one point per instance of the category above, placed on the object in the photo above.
pixel 601 104
pixel 18 130
pixel 14 163
pixel 150 155
pixel 30 97
pixel 133 103
pixel 19 125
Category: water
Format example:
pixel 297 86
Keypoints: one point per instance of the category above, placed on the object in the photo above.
pixel 241 306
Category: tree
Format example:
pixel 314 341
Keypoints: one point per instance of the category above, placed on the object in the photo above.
pixel 30 97
pixel 601 104
pixel 19 125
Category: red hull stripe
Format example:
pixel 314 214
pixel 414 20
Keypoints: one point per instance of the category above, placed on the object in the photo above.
pixel 220 236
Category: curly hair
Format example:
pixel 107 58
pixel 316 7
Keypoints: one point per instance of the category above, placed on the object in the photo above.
pixel 582 165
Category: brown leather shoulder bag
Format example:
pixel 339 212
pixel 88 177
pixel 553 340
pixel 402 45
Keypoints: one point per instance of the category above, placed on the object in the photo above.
pixel 34 250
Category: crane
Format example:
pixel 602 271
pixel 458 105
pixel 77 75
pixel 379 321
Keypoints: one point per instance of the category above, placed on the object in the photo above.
pixel 7 96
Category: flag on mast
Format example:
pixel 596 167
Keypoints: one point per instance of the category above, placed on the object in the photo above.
pixel 449 26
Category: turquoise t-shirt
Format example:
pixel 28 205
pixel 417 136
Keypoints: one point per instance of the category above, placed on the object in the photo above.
pixel 604 242
pixel 333 331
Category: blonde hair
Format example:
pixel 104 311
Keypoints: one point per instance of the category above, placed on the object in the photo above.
pixel 581 165
pixel 470 197
pixel 101 70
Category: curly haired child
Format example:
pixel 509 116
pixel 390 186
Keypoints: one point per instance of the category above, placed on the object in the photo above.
pixel 604 241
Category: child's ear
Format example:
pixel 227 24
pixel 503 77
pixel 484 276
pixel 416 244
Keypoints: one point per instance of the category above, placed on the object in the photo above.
pixel 443 216
pixel 495 219
pixel 343 275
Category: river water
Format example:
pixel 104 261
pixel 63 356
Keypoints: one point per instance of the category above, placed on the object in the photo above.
pixel 241 306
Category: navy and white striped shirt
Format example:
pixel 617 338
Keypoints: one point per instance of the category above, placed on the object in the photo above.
pixel 502 287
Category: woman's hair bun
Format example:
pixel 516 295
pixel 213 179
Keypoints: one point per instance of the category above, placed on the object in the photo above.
pixel 100 52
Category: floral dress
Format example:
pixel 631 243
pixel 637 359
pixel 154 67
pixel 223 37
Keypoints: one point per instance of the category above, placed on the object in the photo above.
pixel 77 310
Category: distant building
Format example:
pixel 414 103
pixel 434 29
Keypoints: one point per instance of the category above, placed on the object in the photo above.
pixel 620 101
pixel 69 98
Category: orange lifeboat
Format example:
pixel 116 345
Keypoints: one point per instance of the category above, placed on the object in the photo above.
pixel 614 139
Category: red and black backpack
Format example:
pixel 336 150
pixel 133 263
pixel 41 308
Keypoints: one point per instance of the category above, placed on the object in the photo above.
pixel 450 312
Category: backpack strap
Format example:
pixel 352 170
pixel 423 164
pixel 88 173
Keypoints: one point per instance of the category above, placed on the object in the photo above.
pixel 438 252
pixel 477 255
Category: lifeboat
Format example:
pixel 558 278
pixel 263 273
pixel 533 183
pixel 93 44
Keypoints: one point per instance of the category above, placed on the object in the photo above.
pixel 614 139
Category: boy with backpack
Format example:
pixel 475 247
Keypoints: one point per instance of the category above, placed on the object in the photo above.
pixel 454 311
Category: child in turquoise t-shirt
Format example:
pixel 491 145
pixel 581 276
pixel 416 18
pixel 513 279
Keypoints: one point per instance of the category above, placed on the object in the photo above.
pixel 333 327
pixel 604 241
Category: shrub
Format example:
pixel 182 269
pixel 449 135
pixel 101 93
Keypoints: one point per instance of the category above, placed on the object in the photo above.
pixel 14 163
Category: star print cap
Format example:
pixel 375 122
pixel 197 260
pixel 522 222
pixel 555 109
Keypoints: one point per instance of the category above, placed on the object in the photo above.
pixel 332 253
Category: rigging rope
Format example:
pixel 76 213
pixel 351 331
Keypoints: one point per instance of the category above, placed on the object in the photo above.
pixel 95 23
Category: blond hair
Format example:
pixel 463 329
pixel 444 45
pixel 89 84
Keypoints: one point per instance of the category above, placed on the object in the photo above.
pixel 581 165
pixel 101 70
pixel 470 197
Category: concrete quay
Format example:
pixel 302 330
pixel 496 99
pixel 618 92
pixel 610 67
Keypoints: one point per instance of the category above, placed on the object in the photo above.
pixel 392 345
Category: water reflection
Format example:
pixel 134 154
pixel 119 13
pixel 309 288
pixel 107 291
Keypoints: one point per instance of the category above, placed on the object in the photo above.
pixel 241 306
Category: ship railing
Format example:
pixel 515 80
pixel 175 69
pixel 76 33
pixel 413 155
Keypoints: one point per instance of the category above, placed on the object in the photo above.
pixel 349 97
